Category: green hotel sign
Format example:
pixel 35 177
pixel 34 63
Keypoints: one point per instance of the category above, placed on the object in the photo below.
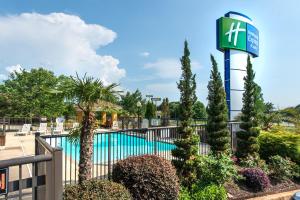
pixel 236 34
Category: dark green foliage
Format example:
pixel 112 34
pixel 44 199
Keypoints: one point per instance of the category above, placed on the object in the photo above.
pixel 254 162
pixel 33 93
pixel 175 110
pixel 96 189
pixel 247 137
pixel 186 147
pixel 216 169
pixel 204 192
pixel 256 179
pixel 150 110
pixel 129 102
pixel 269 116
pixel 218 133
pixel 147 177
pixel 291 115
pixel 284 144
pixel 199 110
pixel 165 112
pixel 280 168
pixel 296 171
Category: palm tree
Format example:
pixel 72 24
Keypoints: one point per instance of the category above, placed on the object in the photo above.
pixel 86 92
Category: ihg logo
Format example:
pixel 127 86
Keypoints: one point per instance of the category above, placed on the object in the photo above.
pixel 235 31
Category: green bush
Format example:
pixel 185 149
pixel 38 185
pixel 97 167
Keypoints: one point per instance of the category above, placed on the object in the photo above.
pixel 296 172
pixel 216 169
pixel 280 168
pixel 254 162
pixel 208 192
pixel 184 194
pixel 202 191
pixel 282 143
pixel 147 177
pixel 96 189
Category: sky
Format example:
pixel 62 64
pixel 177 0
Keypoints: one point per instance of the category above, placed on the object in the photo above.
pixel 138 43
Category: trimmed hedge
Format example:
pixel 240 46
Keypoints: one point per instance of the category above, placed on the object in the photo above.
pixel 256 179
pixel 147 177
pixel 96 189
pixel 282 143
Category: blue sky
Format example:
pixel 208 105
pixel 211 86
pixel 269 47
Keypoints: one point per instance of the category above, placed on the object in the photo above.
pixel 138 43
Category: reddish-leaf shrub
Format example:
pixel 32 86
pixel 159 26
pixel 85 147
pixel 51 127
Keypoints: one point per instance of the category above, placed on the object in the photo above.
pixel 256 179
pixel 147 177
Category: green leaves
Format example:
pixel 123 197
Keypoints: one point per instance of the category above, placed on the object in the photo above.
pixel 186 147
pixel 247 137
pixel 88 91
pixel 33 93
pixel 129 102
pixel 218 133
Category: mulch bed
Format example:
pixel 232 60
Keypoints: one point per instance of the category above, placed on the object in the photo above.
pixel 239 191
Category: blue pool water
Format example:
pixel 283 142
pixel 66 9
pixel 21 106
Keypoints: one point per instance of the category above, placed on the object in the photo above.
pixel 122 146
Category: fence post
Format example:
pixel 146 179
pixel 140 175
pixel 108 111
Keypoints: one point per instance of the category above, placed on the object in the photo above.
pixel 54 186
pixel 109 157
pixel 155 141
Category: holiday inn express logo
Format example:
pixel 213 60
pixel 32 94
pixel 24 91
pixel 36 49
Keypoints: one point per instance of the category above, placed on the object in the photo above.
pixel 236 34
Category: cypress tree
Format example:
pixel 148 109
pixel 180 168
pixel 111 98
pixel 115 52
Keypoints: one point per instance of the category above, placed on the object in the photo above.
pixel 150 110
pixel 247 137
pixel 187 146
pixel 218 133
pixel 165 111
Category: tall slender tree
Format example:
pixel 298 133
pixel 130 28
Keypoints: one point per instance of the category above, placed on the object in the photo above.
pixel 247 137
pixel 186 147
pixel 86 92
pixel 150 110
pixel 165 112
pixel 218 133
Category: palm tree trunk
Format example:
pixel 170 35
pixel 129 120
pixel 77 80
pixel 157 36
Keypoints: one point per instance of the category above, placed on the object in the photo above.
pixel 86 147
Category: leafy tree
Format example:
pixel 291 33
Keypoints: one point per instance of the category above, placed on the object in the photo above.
pixel 86 92
pixel 187 146
pixel 291 115
pixel 129 102
pixel 165 110
pixel 199 110
pixel 150 110
pixel 218 133
pixel 247 137
pixel 174 110
pixel 269 116
pixel 32 94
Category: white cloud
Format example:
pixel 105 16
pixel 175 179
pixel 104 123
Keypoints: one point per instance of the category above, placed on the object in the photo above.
pixel 145 54
pixel 169 68
pixel 60 42
pixel 14 68
pixel 162 89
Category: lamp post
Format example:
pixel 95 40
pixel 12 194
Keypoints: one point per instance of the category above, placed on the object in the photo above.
pixel 139 105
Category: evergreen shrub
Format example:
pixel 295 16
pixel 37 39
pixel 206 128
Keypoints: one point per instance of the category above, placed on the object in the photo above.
pixel 96 189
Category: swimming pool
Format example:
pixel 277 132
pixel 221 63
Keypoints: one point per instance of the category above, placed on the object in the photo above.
pixel 121 146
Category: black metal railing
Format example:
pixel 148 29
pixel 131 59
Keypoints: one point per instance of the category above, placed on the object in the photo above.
pixel 43 178
pixel 110 147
